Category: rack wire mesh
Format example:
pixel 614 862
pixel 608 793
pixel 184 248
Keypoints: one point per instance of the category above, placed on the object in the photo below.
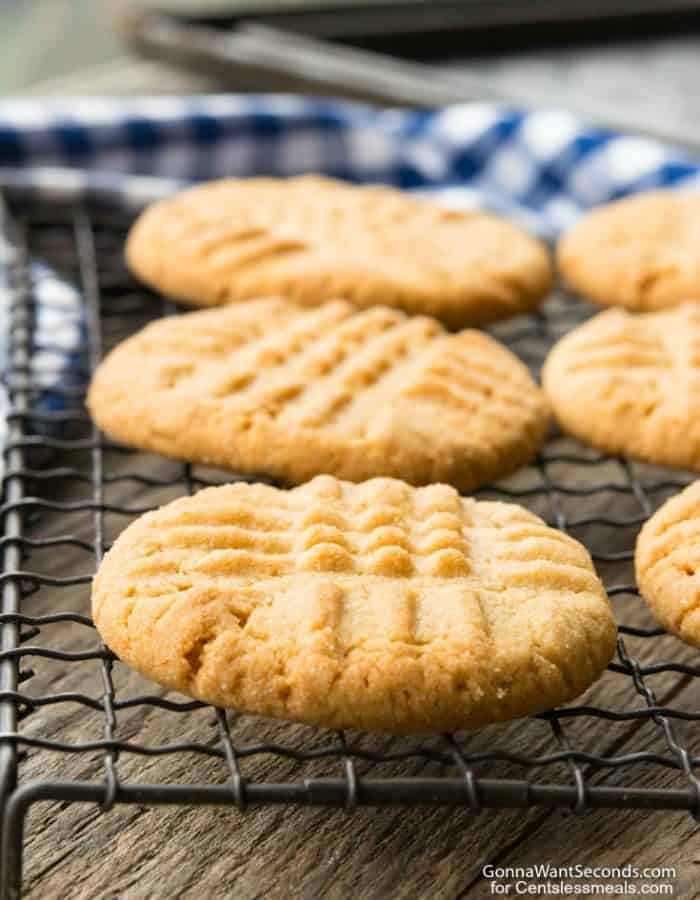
pixel 77 726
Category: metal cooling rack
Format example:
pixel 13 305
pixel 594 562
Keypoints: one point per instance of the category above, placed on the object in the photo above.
pixel 628 743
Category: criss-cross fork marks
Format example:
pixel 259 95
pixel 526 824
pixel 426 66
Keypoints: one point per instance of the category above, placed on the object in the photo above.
pixel 616 340
pixel 312 238
pixel 630 384
pixel 441 560
pixel 331 369
pixel 319 365
pixel 308 216
pixel 668 563
pixel 484 384
pixel 661 348
pixel 320 369
pixel 332 390
pixel 334 367
pixel 379 528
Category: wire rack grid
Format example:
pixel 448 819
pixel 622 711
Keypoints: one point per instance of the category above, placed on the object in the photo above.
pixel 68 491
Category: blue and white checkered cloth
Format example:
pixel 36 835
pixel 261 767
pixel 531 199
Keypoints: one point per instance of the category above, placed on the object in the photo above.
pixel 541 168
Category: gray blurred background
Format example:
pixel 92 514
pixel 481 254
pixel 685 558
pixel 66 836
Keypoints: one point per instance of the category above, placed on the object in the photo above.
pixel 45 39
pixel 71 46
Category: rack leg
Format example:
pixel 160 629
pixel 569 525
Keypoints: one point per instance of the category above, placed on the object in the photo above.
pixel 12 846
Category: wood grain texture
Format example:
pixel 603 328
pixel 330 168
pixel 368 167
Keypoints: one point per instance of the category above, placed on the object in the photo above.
pixel 76 851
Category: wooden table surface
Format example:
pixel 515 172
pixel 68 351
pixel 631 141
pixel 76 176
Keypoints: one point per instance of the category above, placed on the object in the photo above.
pixel 280 852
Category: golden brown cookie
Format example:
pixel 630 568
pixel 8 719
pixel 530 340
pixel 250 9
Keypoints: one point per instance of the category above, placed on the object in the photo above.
pixel 270 387
pixel 375 606
pixel 630 384
pixel 642 252
pixel 311 238
pixel 668 564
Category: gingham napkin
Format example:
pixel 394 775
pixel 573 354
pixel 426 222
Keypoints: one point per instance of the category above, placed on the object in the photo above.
pixel 541 168
pixel 57 331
